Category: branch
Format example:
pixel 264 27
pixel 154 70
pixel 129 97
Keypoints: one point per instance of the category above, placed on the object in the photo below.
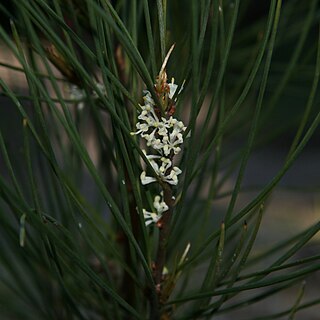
pixel 164 230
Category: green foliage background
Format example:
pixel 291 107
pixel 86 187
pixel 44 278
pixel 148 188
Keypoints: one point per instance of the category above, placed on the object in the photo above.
pixel 74 243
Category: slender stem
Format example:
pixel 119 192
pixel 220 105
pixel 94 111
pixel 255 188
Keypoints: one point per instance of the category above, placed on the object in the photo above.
pixel 164 230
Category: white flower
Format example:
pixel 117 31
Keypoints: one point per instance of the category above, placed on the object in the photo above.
pixel 162 131
pixel 171 122
pixel 166 164
pixel 150 137
pixel 142 127
pixel 143 115
pixel 145 179
pixel 156 144
pixel 150 217
pixel 150 156
pixel 152 160
pixel 160 205
pixel 76 93
pixel 173 88
pixel 172 177
pixel 148 98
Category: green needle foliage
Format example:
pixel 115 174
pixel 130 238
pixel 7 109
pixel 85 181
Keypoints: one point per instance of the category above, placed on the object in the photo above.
pixel 75 240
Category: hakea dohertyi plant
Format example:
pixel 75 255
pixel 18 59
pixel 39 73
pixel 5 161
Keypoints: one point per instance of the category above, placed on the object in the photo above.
pixel 163 135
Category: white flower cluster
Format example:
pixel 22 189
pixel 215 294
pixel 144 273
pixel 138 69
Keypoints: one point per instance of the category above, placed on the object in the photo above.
pixel 160 206
pixel 166 164
pixel 78 94
pixel 165 136
pixel 75 93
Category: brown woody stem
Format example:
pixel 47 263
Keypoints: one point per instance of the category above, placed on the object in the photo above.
pixel 164 231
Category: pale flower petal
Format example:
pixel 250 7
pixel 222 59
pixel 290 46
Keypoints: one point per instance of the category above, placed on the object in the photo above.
pixel 173 88
pixel 150 217
pixel 145 179
pixel 160 205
